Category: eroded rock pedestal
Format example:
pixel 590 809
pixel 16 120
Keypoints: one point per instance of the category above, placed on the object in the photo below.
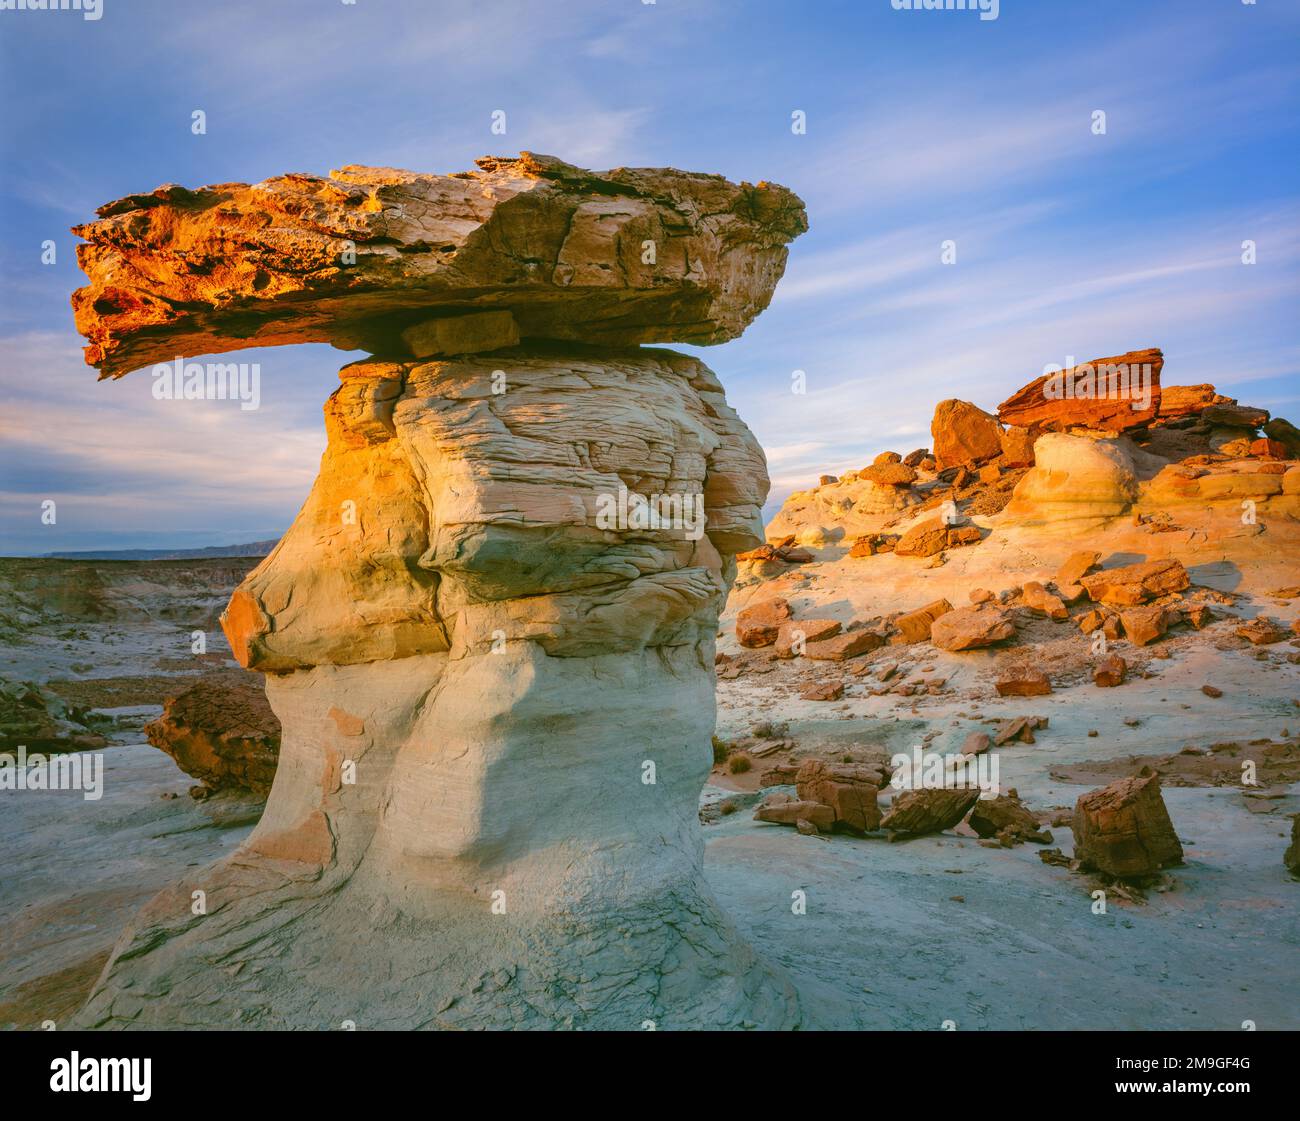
pixel 495 680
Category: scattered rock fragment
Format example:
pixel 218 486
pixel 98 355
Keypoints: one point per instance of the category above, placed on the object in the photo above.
pixel 1110 671
pixel 1124 829
pixel 1023 681
pixel 759 624
pixel 966 628
pixel 916 812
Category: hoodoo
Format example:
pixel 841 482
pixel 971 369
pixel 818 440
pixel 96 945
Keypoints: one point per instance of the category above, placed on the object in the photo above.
pixel 496 702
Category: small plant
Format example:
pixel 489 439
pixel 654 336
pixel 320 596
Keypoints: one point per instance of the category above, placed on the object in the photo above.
pixel 739 763
pixel 727 808
pixel 721 749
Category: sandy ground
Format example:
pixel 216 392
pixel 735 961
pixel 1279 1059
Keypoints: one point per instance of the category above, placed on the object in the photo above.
pixel 883 943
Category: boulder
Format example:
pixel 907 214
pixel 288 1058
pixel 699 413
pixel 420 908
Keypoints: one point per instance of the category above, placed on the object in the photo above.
pixel 1124 829
pixel 923 540
pixel 966 628
pixel 1076 567
pixel 1023 681
pixel 1006 818
pixel 1261 631
pixel 1017 447
pixel 914 626
pixel 1189 400
pixel 1110 671
pixel 221 731
pixel 823 691
pixel 976 743
pixel 1109 394
pixel 794 636
pixel 1286 434
pixel 964 434
pixel 844 646
pixel 1143 625
pixel 759 624
pixel 1234 416
pixel 1074 478
pixel 1132 584
pixel 779 810
pixel 917 812
pixel 893 474
pixel 1264 448
pixel 849 790
pixel 1042 602
pixel 916 458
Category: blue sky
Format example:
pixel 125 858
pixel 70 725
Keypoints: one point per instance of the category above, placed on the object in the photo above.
pixel 921 127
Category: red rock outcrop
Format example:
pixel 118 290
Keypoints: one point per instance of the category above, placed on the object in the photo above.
pixel 1111 394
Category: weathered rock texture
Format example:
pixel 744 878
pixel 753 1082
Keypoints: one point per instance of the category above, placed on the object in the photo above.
pixel 1124 829
pixel 631 255
pixel 496 690
pixel 222 731
pixel 1112 394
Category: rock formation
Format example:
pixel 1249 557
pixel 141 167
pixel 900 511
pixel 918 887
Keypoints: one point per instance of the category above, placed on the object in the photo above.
pixel 222 731
pixel 489 634
pixel 1124 829
pixel 374 259
pixel 1109 394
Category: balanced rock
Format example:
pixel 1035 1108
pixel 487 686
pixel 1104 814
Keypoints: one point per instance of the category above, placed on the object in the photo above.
pixel 364 255
pixel 490 608
pixel 221 730
pixel 1124 829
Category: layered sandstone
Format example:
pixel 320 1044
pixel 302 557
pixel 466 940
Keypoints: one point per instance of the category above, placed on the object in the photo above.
pixel 373 258
pixel 489 634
